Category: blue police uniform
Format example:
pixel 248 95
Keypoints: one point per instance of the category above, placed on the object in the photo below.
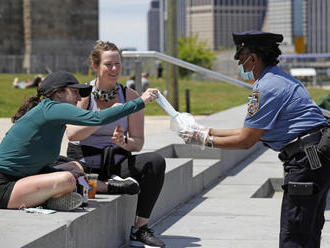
pixel 282 106
pixel 294 126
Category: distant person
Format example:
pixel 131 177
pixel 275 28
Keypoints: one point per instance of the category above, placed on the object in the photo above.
pixel 130 83
pixel 159 70
pixel 21 84
pixel 27 83
pixel 145 81
pixel 324 103
pixel 36 81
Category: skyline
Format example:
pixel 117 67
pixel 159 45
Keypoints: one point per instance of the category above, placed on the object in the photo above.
pixel 124 23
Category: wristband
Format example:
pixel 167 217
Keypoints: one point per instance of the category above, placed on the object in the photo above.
pixel 210 141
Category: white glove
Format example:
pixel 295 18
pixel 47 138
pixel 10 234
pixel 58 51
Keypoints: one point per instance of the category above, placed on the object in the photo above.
pixel 195 135
pixel 182 121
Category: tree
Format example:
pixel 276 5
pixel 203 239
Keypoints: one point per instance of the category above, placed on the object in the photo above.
pixel 196 52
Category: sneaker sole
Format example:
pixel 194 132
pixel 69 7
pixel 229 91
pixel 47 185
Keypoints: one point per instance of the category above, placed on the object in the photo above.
pixel 134 243
pixel 124 179
pixel 66 202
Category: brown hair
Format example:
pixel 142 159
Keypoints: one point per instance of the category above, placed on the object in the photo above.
pixel 31 102
pixel 99 47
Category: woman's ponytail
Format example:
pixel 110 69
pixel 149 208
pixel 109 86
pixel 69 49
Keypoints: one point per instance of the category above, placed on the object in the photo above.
pixel 27 105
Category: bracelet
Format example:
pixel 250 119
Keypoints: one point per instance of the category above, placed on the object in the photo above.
pixel 210 141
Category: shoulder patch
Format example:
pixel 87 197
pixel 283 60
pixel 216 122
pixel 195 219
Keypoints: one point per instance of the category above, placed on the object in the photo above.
pixel 253 102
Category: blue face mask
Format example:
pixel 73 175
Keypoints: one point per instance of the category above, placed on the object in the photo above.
pixel 246 75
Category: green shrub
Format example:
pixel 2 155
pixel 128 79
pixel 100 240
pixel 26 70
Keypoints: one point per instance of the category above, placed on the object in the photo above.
pixel 192 50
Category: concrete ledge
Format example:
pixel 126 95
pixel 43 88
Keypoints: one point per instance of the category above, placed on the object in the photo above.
pixel 107 220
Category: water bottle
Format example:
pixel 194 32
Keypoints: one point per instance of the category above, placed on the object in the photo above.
pixel 82 188
pixel 179 121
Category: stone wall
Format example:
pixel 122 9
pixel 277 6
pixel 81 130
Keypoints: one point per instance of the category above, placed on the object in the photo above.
pixel 62 32
pixel 11 27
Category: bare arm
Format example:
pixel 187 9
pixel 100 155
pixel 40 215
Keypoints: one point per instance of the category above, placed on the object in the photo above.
pixel 244 139
pixel 224 132
pixel 135 139
pixel 76 133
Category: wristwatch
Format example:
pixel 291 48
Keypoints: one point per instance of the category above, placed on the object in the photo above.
pixel 210 141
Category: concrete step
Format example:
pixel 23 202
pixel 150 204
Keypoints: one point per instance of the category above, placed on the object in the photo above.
pixel 107 220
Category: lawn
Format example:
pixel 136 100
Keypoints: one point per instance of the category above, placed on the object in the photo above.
pixel 206 97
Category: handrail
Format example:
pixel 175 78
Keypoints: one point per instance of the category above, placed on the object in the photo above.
pixel 195 68
pixel 187 65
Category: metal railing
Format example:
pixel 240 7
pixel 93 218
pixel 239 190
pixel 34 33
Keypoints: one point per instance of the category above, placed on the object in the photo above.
pixel 187 65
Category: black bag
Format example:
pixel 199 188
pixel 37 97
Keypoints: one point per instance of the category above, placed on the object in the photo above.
pixel 108 160
pixel 107 157
pixel 324 145
pixel 107 154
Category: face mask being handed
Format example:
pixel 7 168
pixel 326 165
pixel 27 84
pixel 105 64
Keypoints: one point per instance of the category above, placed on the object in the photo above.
pixel 246 75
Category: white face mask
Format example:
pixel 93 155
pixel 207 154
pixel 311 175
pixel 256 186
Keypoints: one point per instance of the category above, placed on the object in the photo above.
pixel 246 75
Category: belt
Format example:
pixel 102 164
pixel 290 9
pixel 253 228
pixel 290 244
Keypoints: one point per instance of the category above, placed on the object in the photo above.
pixel 299 145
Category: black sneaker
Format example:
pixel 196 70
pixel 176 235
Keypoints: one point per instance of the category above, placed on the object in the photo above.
pixel 144 236
pixel 118 185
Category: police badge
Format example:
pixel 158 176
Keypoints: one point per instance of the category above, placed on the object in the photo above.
pixel 253 102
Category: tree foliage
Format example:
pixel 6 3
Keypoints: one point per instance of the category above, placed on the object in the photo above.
pixel 192 50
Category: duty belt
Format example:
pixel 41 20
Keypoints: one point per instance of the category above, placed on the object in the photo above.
pixel 307 144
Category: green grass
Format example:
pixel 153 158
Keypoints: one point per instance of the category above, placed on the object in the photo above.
pixel 206 97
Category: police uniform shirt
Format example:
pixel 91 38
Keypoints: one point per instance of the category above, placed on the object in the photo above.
pixel 281 106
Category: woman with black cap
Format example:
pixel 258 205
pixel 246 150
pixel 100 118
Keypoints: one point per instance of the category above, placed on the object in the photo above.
pixel 33 143
pixel 282 115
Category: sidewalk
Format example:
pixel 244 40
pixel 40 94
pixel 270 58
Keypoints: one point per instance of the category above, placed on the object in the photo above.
pixel 228 216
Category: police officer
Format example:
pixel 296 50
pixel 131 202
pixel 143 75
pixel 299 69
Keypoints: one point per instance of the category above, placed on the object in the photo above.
pixel 283 116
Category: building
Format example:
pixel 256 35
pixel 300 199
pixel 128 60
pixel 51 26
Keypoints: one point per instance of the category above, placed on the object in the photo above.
pixel 11 35
pixel 318 26
pixel 157 16
pixel 214 21
pixel 37 36
pixel 154 26
pixel 287 17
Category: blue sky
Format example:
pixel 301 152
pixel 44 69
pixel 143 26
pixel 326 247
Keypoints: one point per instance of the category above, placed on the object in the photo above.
pixel 124 22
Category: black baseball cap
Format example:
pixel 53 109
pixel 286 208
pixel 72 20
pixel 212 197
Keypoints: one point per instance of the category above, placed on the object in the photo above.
pixel 64 79
pixel 255 38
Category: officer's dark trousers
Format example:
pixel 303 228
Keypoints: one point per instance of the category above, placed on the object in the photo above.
pixel 302 216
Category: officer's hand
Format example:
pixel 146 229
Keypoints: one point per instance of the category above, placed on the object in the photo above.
pixel 195 135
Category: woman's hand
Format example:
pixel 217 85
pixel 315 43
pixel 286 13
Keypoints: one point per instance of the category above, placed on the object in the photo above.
pixel 118 136
pixel 149 95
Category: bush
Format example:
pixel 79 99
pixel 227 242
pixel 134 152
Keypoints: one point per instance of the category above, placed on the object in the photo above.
pixel 196 52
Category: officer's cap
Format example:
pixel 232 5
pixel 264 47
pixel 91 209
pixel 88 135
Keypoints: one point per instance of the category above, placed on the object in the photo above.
pixel 256 38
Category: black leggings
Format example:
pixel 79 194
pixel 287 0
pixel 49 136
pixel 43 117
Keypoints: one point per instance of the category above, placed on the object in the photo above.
pixel 149 170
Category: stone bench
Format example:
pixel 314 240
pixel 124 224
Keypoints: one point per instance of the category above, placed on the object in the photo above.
pixel 107 220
